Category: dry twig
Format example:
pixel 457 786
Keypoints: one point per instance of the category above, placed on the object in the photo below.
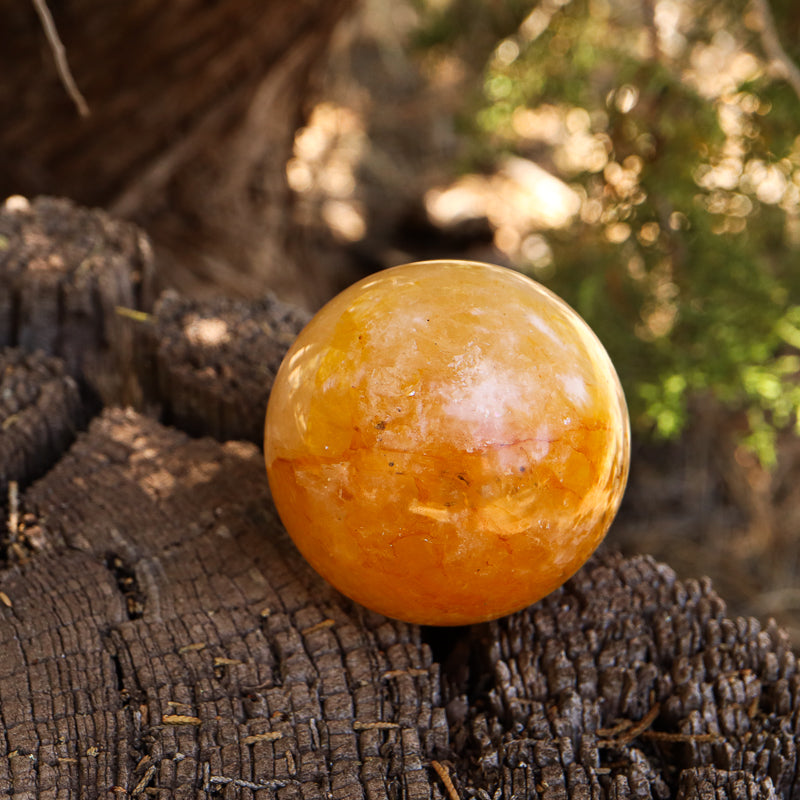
pixel 377 726
pixel 13 510
pixel 134 314
pixel 60 56
pixel 180 719
pixel 444 777
pixel 623 734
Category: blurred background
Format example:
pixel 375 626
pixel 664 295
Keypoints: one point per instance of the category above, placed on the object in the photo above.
pixel 641 159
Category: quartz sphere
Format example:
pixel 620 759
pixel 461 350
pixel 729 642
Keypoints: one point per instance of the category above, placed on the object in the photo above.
pixel 447 442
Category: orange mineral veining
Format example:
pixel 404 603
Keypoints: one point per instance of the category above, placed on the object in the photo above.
pixel 447 442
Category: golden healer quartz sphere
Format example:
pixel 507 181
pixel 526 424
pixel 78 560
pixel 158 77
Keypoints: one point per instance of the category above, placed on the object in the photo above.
pixel 447 442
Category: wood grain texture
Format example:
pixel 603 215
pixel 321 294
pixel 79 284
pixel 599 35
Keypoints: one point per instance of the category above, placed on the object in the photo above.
pixel 627 682
pixel 40 412
pixel 64 271
pixel 210 364
pixel 170 636
pixel 160 636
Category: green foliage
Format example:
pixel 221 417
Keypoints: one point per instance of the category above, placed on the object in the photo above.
pixel 684 254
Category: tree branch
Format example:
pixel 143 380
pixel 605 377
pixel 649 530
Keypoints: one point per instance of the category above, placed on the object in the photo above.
pixel 773 47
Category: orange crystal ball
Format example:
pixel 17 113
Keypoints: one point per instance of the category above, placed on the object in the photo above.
pixel 447 442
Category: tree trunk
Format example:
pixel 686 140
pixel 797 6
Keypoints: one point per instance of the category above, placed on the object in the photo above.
pixel 160 635
pixel 193 110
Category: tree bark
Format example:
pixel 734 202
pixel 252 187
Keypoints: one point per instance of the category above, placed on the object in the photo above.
pixel 161 636
pixel 193 107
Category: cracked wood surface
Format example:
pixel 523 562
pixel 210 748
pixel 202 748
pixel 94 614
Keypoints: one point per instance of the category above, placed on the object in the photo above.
pixel 64 271
pixel 40 412
pixel 167 635
pixel 161 637
pixel 209 365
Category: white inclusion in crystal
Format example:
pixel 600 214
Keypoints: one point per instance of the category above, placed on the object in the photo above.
pixel 434 512
pixel 485 397
pixel 538 447
pixel 575 388
pixel 537 322
pixel 515 459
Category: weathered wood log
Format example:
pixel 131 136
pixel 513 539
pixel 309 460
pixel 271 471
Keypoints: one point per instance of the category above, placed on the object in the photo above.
pixel 630 683
pixel 210 364
pixel 40 413
pixel 167 635
pixel 73 283
pixel 64 271
pixel 160 636
pixel 182 642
